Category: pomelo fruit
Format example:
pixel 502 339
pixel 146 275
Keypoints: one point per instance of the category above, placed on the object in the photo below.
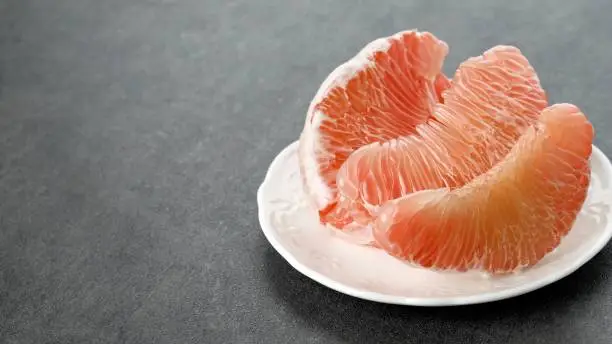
pixel 473 173
pixel 384 92
pixel 505 219
pixel 493 99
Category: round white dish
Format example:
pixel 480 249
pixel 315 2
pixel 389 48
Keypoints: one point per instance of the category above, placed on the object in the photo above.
pixel 291 226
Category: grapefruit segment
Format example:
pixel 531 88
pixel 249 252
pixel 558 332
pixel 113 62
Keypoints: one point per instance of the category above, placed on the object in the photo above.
pixel 505 219
pixel 384 92
pixel 493 99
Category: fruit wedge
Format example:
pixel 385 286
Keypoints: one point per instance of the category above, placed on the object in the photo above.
pixel 493 99
pixel 505 219
pixel 384 92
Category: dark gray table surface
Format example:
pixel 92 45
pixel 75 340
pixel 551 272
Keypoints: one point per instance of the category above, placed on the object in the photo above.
pixel 134 134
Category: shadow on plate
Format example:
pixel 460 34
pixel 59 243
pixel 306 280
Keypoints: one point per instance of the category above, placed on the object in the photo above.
pixel 359 321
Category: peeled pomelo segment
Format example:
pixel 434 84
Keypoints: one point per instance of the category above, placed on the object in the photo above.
pixel 384 92
pixel 505 219
pixel 493 99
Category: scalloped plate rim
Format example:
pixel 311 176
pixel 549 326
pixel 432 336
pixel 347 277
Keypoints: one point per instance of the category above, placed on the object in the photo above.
pixel 484 297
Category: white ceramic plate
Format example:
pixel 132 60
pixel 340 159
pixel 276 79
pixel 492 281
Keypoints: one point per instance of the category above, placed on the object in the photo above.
pixel 291 225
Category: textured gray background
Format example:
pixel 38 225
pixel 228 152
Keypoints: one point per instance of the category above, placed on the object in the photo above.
pixel 134 134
